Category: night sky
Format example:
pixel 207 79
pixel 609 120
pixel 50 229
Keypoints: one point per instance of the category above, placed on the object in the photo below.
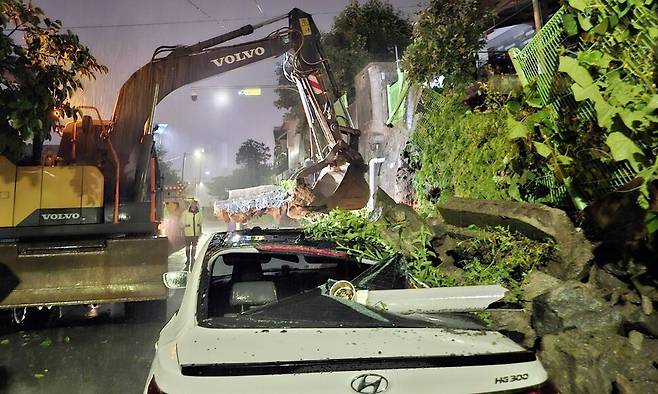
pixel 122 34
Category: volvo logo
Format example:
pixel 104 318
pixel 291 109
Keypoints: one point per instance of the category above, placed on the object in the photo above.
pixel 60 216
pixel 238 57
pixel 369 384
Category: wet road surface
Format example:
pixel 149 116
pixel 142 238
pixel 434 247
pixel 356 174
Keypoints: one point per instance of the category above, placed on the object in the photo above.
pixel 86 350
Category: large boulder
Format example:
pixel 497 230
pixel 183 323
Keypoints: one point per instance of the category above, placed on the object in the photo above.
pixel 534 221
pixel 574 305
pixel 598 363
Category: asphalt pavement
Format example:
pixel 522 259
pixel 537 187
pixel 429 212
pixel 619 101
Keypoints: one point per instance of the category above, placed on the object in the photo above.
pixel 85 350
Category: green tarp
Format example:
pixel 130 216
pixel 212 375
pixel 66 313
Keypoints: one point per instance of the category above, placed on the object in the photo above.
pixel 397 94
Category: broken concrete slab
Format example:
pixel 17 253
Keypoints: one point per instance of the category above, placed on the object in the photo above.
pixel 532 220
pixel 403 226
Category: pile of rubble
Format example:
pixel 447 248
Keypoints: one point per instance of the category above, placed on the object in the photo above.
pixel 592 322
pixel 245 204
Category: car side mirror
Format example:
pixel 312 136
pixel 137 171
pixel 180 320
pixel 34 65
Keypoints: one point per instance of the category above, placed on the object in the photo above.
pixel 175 279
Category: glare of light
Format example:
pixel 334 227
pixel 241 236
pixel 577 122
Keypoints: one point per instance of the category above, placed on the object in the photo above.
pixel 250 92
pixel 200 184
pixel 221 98
pixel 199 152
pixel 207 172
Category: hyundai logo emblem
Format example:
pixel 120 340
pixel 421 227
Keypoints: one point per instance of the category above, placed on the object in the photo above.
pixel 369 383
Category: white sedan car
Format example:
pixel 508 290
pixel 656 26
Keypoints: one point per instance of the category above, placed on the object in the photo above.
pixel 259 315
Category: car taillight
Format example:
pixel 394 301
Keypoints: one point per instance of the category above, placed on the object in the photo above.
pixel 153 388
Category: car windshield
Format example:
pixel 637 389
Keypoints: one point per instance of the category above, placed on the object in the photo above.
pixel 291 290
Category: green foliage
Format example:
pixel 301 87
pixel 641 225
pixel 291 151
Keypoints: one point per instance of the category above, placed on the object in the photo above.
pixel 363 33
pixel 253 154
pixel 352 231
pixel 611 117
pixel 498 255
pixel 494 256
pixel 446 39
pixel 459 152
pixel 39 71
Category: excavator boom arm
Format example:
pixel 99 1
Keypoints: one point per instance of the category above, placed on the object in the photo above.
pixel 172 67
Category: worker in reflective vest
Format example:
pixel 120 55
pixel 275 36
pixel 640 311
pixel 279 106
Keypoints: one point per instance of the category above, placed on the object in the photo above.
pixel 192 219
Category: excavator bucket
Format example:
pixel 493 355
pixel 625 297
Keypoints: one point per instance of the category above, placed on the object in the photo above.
pixel 342 187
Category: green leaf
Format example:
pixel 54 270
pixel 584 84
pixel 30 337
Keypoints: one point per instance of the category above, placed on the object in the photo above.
pixel 601 28
pixel 651 221
pixel 513 191
pixel 516 129
pixel 579 93
pixel 46 343
pixel 5 341
pixel 542 149
pixel 585 22
pixel 630 118
pixel 535 102
pixel 580 5
pixel 604 112
pixel 578 73
pixel 595 58
pixel 564 160
pixel 513 106
pixel 623 148
pixel 653 102
pixel 570 25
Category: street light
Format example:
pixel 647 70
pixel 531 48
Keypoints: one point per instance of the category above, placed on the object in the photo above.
pixel 221 98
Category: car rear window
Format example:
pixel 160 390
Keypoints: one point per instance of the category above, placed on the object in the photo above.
pixel 241 282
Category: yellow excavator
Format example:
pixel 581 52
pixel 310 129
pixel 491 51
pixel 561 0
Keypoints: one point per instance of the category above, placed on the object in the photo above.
pixel 82 227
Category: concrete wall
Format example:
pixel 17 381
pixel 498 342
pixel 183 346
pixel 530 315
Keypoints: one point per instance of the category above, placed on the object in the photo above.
pixel 371 106
pixel 377 139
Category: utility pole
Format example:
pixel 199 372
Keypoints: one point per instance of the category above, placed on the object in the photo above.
pixel 198 179
pixel 536 10
pixel 182 171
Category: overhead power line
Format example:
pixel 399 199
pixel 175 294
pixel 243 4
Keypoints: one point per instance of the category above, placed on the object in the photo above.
pixel 196 21
pixel 210 18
